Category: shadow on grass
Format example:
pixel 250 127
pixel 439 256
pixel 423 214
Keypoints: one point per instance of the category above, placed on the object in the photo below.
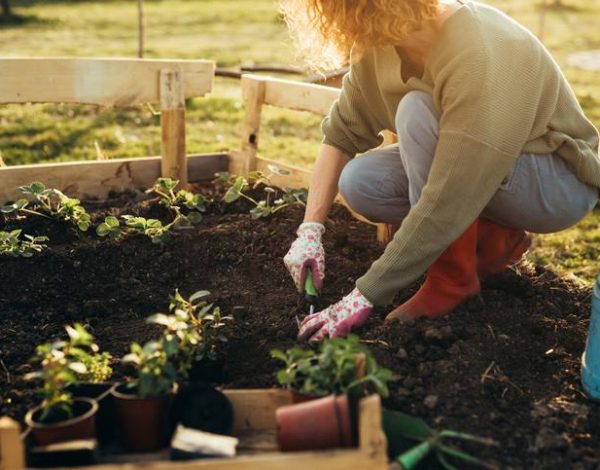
pixel 15 21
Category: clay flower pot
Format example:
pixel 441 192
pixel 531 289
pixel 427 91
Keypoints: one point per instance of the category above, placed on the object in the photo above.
pixel 141 422
pixel 298 397
pixel 81 426
pixel 315 425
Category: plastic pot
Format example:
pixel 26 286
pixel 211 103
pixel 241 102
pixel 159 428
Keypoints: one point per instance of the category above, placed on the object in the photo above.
pixel 141 422
pixel 207 370
pixel 101 392
pixel 315 425
pixel 82 425
pixel 200 406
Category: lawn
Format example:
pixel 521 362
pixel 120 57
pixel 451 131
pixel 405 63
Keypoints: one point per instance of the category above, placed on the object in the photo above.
pixel 234 33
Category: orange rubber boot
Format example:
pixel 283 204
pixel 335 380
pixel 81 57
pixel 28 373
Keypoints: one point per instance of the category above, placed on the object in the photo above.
pixel 499 246
pixel 451 279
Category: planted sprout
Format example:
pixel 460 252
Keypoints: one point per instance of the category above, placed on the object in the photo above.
pixel 152 228
pixel 11 244
pixel 52 204
pixel 410 441
pixel 155 371
pixel 64 363
pixel 333 368
pixel 192 329
pixel 194 204
pixel 267 206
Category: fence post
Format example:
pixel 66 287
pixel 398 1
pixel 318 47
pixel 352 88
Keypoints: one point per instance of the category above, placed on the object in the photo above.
pixel 172 120
pixel 253 95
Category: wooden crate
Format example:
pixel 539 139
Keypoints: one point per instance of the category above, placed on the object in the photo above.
pixel 254 425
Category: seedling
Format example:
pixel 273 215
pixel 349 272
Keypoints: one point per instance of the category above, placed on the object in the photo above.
pixel 11 244
pixel 164 188
pixel 410 441
pixel 156 373
pixel 332 369
pixel 152 228
pixel 52 204
pixel 63 363
pixel 267 207
pixel 191 329
pixel 111 227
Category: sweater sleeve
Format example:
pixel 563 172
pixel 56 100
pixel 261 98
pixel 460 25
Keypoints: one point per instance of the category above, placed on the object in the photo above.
pixel 351 125
pixel 483 127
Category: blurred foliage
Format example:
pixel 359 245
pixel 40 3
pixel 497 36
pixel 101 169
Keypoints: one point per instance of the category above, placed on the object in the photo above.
pixel 234 33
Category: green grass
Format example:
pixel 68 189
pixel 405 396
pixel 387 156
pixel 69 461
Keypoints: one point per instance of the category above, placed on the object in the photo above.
pixel 234 33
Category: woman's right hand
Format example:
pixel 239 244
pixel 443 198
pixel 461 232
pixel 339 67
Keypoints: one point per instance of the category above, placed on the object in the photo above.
pixel 307 252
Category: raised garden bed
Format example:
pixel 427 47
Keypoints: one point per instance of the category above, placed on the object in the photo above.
pixel 504 366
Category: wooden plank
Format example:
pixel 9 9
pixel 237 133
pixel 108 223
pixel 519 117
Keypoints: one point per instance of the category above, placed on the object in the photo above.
pixel 172 121
pixel 253 95
pixel 371 438
pixel 326 460
pixel 12 451
pixel 255 409
pixel 109 82
pixel 299 96
pixel 95 179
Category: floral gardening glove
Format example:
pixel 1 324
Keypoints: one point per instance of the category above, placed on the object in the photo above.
pixel 307 251
pixel 337 319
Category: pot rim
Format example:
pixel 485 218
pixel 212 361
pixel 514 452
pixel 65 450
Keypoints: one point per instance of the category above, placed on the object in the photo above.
pixel 129 396
pixel 37 425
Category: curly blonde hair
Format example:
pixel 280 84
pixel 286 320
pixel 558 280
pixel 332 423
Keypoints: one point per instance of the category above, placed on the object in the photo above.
pixel 325 31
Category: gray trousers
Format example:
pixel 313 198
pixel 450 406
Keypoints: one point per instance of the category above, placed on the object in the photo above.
pixel 540 194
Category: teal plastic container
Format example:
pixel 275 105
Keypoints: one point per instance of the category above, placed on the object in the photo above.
pixel 590 361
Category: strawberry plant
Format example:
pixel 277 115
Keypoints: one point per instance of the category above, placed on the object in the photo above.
pixel 11 244
pixel 111 227
pixel 194 204
pixel 192 329
pixel 63 363
pixel 333 368
pixel 152 228
pixel 268 206
pixel 50 203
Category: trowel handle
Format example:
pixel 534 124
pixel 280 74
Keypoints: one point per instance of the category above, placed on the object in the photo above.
pixel 310 291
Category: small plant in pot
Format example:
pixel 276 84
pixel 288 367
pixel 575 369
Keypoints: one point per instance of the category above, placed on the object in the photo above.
pixel 141 405
pixel 61 417
pixel 340 372
pixel 94 384
pixel 192 335
pixel 340 365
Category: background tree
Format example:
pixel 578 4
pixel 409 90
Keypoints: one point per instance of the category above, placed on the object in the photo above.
pixel 6 12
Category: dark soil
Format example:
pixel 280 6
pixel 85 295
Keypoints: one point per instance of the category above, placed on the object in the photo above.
pixel 505 365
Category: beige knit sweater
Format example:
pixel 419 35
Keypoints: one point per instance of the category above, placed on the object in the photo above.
pixel 499 93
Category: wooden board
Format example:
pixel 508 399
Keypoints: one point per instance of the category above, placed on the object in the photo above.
pixel 95 179
pixel 298 96
pixel 108 82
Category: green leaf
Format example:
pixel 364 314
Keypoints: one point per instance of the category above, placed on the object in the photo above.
pixel 194 217
pixel 78 367
pixel 199 295
pixel 235 191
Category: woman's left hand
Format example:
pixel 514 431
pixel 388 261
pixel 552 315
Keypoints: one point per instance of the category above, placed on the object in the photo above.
pixel 337 319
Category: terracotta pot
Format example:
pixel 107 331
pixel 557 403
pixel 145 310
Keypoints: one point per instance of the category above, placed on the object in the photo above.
pixel 81 426
pixel 101 392
pixel 315 425
pixel 298 397
pixel 141 422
